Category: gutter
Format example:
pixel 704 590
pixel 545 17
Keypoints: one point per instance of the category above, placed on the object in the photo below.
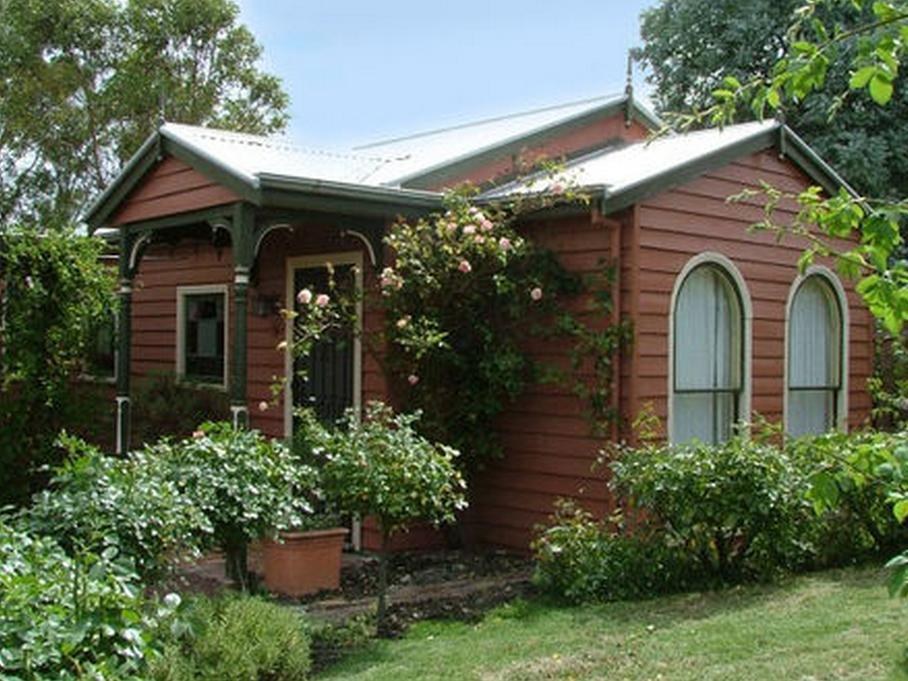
pixel 413 198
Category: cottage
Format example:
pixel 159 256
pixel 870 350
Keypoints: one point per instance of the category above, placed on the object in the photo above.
pixel 725 325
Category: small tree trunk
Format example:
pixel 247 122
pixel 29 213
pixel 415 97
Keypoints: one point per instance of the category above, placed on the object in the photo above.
pixel 381 625
pixel 235 563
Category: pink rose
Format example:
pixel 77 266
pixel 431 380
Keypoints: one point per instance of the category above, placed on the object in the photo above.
pixel 387 277
pixel 486 225
pixel 322 299
pixel 536 293
pixel 465 266
pixel 474 210
pixel 403 321
pixel 479 239
pixel 198 434
pixel 263 406
pixel 304 297
pixel 557 188
pixel 451 227
pixel 412 379
pixel 469 229
pixel 504 243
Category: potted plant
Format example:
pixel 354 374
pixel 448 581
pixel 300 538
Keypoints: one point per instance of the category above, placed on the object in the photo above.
pixel 307 558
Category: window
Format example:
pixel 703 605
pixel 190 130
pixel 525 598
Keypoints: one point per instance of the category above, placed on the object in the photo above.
pixel 815 343
pixel 202 334
pixel 708 373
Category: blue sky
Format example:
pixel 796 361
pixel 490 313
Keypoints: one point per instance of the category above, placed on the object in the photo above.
pixel 358 70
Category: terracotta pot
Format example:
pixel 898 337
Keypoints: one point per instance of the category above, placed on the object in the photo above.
pixel 304 562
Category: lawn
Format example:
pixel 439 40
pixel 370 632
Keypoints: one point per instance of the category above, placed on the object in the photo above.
pixel 830 625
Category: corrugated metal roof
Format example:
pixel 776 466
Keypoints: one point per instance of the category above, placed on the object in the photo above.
pixel 421 152
pixel 621 169
pixel 249 156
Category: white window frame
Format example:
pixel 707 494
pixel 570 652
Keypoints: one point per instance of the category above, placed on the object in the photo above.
pixel 838 291
pixel 354 258
pixel 730 269
pixel 182 293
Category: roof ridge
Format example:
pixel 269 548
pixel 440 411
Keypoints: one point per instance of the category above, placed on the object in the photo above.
pixel 493 119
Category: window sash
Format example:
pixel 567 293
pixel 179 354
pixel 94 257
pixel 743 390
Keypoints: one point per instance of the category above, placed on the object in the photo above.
pixel 204 344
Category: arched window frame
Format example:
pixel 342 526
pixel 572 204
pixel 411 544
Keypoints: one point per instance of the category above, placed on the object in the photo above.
pixel 743 293
pixel 841 300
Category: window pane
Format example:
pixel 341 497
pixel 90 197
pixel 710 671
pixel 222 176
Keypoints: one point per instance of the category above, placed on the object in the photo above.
pixel 707 357
pixel 814 337
pixel 810 412
pixel 706 338
pixel 708 417
pixel 204 337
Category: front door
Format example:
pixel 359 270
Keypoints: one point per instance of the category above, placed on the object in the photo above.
pixel 325 379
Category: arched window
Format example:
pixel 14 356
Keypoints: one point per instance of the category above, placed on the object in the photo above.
pixel 708 335
pixel 815 349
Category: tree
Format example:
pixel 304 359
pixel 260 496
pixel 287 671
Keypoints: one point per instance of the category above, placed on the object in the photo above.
pixel 691 46
pixel 83 82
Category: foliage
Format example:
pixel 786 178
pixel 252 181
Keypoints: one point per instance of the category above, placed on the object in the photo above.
pixel 888 386
pixel 97 503
pixel 56 290
pixel 237 638
pixel 691 46
pixel 84 82
pixel 69 617
pixel 738 507
pixel 584 560
pixel 164 407
pixel 464 294
pixel 380 466
pixel 246 485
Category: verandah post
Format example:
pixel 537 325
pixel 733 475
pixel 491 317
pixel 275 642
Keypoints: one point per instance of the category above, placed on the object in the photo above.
pixel 242 240
pixel 124 342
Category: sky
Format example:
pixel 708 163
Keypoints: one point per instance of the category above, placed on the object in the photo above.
pixel 359 70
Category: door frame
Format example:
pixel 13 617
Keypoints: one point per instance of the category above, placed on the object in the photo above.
pixel 293 264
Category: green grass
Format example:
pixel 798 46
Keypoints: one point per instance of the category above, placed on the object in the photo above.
pixel 831 625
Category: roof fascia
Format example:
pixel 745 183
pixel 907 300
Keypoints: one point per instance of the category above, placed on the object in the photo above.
pixel 812 163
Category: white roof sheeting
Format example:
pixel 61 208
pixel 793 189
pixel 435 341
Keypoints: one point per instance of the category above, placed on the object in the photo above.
pixel 419 153
pixel 249 156
pixel 622 168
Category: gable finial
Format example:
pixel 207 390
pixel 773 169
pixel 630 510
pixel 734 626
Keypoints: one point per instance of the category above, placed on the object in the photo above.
pixel 629 90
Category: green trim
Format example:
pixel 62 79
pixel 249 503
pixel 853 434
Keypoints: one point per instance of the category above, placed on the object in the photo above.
pixel 458 167
pixel 140 163
pixel 239 185
pixel 791 144
pixel 680 174
pixel 204 215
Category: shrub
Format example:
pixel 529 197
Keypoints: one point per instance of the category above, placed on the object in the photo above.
pixel 70 617
pixel 97 502
pixel 582 559
pixel 380 466
pixel 739 507
pixel 237 639
pixel 246 485
pixel 165 408
pixel 332 642
pixel 56 289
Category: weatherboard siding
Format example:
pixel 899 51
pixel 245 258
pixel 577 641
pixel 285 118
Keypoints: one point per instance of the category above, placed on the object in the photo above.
pixel 680 223
pixel 170 188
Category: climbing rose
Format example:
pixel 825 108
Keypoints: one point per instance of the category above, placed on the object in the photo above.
pixel 387 277
pixel 469 229
pixel 412 379
pixel 263 406
pixel 479 238
pixel 464 266
pixel 452 227
pixel 282 345
pixel 403 321
pixel 304 297
pixel 557 188
pixel 198 434
pixel 536 293
pixel 486 225
pixel 322 299
pixel 504 243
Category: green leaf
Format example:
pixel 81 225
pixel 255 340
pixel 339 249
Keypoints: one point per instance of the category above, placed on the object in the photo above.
pixel 880 89
pixel 861 77
pixel 901 510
